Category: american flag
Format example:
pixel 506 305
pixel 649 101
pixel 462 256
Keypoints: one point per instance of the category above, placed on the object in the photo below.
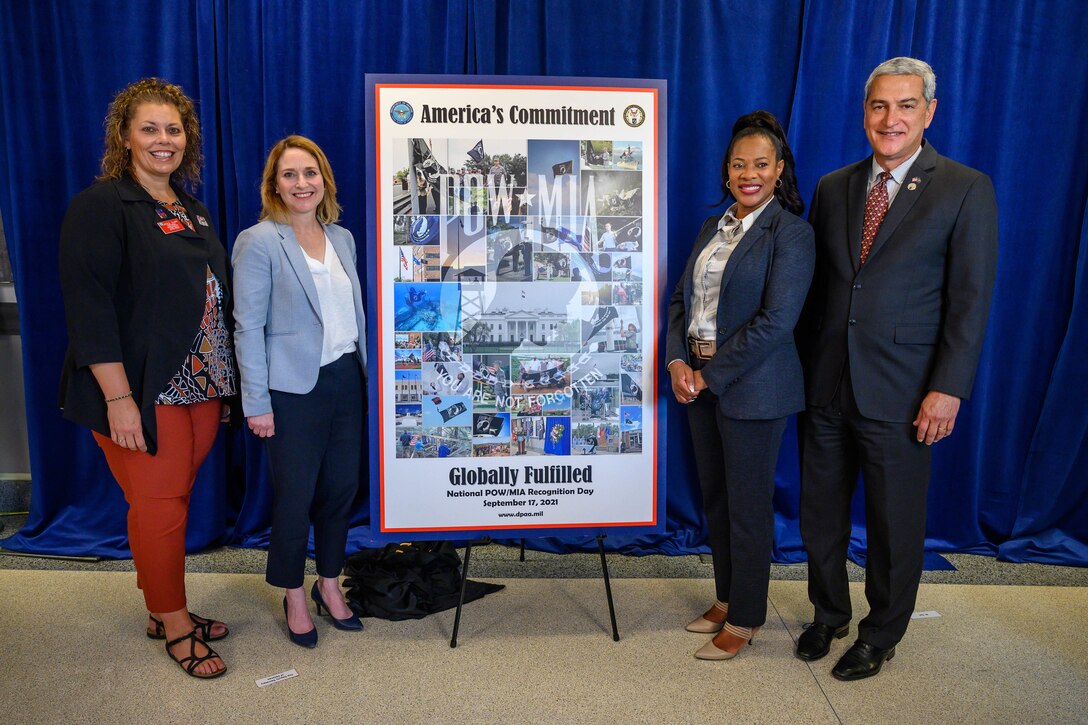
pixel 428 354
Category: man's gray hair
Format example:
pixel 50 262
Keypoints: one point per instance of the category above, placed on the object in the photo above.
pixel 903 66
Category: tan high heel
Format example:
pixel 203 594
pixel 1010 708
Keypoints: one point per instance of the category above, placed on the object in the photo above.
pixel 702 625
pixel 734 641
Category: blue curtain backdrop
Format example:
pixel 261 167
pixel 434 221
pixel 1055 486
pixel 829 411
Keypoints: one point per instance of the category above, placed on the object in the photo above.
pixel 1012 90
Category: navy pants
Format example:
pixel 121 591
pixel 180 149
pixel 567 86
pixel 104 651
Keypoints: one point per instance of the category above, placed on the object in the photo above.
pixel 315 457
pixel 736 461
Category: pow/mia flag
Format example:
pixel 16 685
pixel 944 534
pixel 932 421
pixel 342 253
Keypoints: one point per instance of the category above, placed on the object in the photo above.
pixel 630 237
pixel 600 319
pixel 423 159
pixel 452 412
pixel 567 167
pixel 486 424
pixel 424 231
pixel 562 235
pixel 476 153
pixel 600 265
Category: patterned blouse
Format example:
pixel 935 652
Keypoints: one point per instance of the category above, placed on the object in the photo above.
pixel 208 370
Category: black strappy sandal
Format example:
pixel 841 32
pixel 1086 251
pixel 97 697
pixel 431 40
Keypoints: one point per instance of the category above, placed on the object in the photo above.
pixel 190 663
pixel 201 624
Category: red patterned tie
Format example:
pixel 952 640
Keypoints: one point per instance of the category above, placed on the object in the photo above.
pixel 876 206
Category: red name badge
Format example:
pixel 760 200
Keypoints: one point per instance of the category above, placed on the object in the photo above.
pixel 171 225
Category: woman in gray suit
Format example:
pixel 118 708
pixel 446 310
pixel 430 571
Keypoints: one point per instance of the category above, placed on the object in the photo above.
pixel 733 363
pixel 300 336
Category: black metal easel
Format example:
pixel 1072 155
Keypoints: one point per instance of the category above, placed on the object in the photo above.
pixel 487 540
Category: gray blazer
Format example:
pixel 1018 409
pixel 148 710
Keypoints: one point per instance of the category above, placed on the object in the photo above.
pixel 755 371
pixel 277 315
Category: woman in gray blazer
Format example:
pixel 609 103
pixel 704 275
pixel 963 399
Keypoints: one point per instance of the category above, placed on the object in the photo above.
pixel 300 336
pixel 733 363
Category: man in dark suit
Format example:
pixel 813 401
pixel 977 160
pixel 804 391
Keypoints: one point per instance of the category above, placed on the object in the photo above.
pixel 906 244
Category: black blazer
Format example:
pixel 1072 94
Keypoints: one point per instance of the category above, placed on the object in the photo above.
pixel 756 372
pixel 132 294
pixel 912 319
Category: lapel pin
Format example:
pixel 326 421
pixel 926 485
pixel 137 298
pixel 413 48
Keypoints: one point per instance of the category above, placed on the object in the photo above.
pixel 914 181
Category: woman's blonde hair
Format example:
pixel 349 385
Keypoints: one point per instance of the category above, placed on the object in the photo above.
pixel 117 160
pixel 272 206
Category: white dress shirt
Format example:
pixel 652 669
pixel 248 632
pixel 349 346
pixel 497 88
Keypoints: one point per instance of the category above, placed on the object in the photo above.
pixel 899 174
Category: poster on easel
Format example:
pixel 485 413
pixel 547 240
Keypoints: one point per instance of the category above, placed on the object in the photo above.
pixel 516 278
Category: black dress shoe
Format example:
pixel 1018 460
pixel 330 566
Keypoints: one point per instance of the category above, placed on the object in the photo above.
pixel 815 642
pixel 306 639
pixel 861 660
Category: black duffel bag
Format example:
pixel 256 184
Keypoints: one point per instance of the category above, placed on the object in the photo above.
pixel 408 581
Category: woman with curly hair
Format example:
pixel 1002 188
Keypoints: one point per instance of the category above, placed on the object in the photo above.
pixel 150 361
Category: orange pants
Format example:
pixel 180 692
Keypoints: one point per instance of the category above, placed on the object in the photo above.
pixel 157 490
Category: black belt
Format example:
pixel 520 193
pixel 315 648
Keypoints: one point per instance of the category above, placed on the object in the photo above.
pixel 701 349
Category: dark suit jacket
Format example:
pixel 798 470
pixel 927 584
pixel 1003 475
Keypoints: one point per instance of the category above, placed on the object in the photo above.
pixel 132 294
pixel 755 371
pixel 912 319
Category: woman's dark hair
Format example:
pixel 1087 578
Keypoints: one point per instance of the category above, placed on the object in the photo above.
pixel 763 123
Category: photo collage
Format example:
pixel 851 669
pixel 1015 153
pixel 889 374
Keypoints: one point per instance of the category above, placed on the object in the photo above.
pixel 518 297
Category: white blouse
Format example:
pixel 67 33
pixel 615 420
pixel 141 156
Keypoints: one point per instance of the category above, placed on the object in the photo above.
pixel 337 300
pixel 707 272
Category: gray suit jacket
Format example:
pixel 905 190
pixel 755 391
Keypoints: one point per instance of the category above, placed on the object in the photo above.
pixel 755 372
pixel 277 314
pixel 912 319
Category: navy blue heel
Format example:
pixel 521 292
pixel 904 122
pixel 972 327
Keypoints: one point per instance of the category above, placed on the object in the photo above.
pixel 350 624
pixel 306 639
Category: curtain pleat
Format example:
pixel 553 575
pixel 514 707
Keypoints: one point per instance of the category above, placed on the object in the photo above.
pixel 1012 89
